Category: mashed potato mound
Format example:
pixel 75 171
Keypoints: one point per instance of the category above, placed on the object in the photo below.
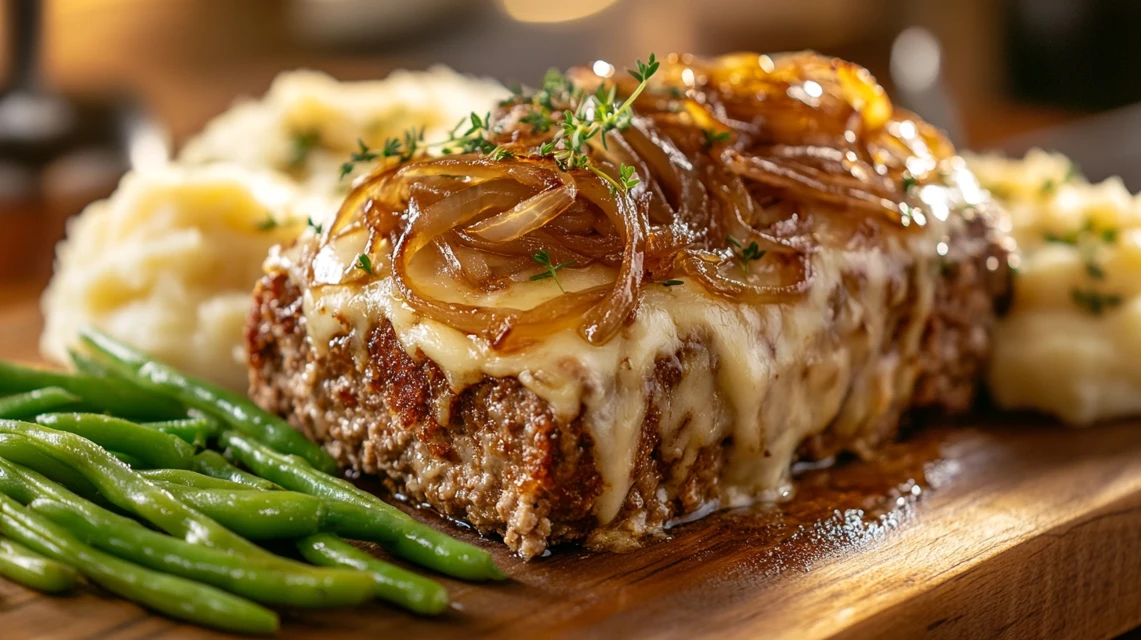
pixel 1072 340
pixel 167 263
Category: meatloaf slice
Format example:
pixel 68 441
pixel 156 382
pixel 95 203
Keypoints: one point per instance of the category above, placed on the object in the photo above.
pixel 584 320
pixel 496 454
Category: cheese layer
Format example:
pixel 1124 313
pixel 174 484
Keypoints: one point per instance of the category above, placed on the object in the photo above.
pixel 846 356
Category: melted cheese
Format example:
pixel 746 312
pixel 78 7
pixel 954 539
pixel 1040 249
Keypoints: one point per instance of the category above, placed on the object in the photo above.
pixel 773 374
pixel 766 377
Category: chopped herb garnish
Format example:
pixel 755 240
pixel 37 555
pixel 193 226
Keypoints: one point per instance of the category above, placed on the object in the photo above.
pixel 393 148
pixel 1072 172
pixel 412 141
pixel 1095 302
pixel 627 178
pixel 303 144
pixel 268 223
pixel 1070 237
pixel 671 283
pixel 552 270
pixel 313 225
pixel 713 137
pixel 592 116
pixel 474 138
pixel 516 90
pixel 745 255
pixel 644 71
pixel 1082 233
pixel 587 117
pixel 364 263
pixel 539 119
pixel 364 155
pixel 1085 239
pixel 909 182
pixel 554 83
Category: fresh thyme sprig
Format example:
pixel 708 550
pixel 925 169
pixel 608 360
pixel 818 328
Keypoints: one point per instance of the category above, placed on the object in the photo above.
pixel 552 270
pixel 597 115
pixel 393 148
pixel 745 255
pixel 314 225
pixel 501 153
pixel 475 138
pixel 364 155
pixel 589 116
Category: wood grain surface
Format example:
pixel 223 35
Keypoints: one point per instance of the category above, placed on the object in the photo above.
pixel 996 527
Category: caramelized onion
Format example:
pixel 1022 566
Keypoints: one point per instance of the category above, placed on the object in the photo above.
pixel 601 322
pixel 740 150
pixel 706 269
pixel 525 217
pixel 808 181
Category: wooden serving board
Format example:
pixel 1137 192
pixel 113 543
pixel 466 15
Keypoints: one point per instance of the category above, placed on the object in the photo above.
pixel 1000 527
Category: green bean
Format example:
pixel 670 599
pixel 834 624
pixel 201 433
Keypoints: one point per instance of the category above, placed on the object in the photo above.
pixel 389 526
pixel 84 363
pixel 406 539
pixel 21 451
pixel 280 582
pixel 274 584
pixel 130 491
pixel 256 515
pixel 156 449
pixel 393 584
pixel 194 431
pixel 193 479
pixel 112 395
pixel 171 595
pixel 215 465
pixel 269 515
pixel 26 567
pixel 32 403
pixel 131 461
pixel 231 408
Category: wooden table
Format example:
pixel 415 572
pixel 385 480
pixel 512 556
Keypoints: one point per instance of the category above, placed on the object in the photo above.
pixel 999 527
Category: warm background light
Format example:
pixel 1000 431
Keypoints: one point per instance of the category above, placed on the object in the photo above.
pixel 548 11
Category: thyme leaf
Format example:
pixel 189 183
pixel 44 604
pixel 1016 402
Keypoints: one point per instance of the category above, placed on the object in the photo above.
pixel 552 270
pixel 364 263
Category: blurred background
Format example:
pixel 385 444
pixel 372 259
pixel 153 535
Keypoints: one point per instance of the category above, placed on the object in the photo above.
pixel 90 86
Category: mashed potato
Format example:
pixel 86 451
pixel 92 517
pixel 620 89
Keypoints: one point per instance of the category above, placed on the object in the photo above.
pixel 1071 343
pixel 167 263
pixel 308 124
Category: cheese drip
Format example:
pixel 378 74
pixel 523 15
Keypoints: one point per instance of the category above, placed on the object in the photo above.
pixel 767 376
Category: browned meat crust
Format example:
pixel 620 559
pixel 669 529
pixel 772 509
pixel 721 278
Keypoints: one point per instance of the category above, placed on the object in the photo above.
pixel 495 456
